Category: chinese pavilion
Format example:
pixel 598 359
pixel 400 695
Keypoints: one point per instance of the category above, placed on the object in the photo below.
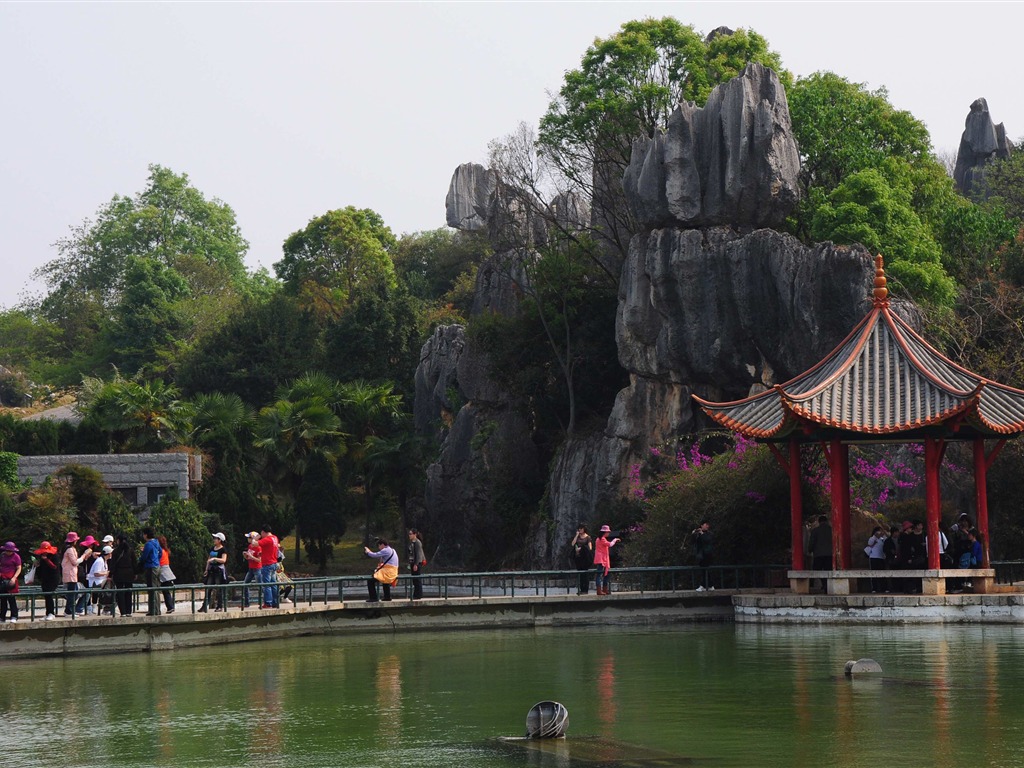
pixel 883 383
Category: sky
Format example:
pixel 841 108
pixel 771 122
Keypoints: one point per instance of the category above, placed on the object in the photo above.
pixel 287 110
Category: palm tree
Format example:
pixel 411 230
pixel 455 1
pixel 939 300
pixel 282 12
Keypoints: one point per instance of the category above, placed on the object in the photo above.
pixel 140 416
pixel 289 432
pixel 369 412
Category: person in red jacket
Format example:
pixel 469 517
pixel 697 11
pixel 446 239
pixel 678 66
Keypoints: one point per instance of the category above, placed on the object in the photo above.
pixel 268 567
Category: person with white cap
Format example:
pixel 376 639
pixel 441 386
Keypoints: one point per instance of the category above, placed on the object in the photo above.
pixel 216 574
pixel 10 570
pixel 99 572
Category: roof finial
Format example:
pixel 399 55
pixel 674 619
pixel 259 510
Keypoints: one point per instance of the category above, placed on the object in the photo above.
pixel 881 293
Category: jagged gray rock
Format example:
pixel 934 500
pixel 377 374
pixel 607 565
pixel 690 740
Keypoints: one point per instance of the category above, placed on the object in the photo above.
pixel 709 312
pixel 734 161
pixel 470 197
pixel 438 396
pixel 722 312
pixel 981 142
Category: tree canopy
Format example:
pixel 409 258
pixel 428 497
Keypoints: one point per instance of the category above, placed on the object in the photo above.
pixel 343 249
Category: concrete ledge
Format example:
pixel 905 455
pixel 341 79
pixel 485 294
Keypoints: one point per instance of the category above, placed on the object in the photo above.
pixel 884 609
pixel 103 634
pixel 932 581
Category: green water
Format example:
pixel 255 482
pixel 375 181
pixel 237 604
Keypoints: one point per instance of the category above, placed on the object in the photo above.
pixel 714 695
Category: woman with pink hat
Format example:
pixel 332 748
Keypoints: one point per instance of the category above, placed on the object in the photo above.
pixel 48 576
pixel 69 573
pixel 602 561
pixel 10 570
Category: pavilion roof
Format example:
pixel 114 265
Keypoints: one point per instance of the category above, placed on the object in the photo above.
pixel 882 379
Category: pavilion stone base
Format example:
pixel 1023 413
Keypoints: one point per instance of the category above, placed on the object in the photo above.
pixel 932 582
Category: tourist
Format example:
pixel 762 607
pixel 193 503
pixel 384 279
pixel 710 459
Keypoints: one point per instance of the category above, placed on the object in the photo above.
pixel 99 572
pixel 875 551
pixel 251 555
pixel 69 566
pixel 602 561
pixel 583 557
pixel 416 559
pixel 88 557
pixel 167 577
pixel 149 565
pixel 282 578
pixel 269 547
pixel 891 550
pixel 386 571
pixel 48 577
pixel 820 545
pixel 215 575
pixel 973 557
pixel 10 570
pixel 913 555
pixel 122 569
pixel 700 540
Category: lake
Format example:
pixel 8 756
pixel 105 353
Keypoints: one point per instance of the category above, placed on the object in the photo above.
pixel 713 694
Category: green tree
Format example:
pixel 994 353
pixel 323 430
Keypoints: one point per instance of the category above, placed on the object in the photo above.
pixel 187 536
pixel 627 85
pixel 342 250
pixel 320 509
pixel 369 414
pixel 1005 180
pixel 28 343
pixel 261 346
pixel 431 262
pixel 146 321
pixel 136 416
pixel 377 337
pixel 170 223
pixel 865 209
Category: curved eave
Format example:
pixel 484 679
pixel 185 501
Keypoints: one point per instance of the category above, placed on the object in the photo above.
pixel 940 418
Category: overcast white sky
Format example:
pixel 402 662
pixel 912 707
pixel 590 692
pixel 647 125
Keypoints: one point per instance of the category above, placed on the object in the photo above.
pixel 287 110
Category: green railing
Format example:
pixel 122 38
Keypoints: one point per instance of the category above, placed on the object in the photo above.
pixel 192 598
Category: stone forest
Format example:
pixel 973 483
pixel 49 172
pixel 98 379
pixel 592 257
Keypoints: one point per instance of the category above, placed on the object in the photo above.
pixel 531 366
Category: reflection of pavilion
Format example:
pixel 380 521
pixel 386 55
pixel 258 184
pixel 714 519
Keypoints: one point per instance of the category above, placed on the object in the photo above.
pixel 883 383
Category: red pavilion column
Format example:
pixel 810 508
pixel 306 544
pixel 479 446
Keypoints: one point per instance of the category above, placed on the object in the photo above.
pixel 933 451
pixel 839 471
pixel 796 506
pixel 981 465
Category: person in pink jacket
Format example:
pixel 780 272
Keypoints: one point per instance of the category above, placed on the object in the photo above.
pixel 69 572
pixel 602 562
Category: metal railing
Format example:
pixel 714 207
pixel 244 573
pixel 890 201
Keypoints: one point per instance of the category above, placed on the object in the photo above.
pixel 235 595
pixel 1008 571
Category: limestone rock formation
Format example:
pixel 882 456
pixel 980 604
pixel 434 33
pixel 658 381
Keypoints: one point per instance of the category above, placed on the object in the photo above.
pixel 981 142
pixel 707 312
pixel 862 667
pixel 470 197
pixel 734 161
pixel 438 394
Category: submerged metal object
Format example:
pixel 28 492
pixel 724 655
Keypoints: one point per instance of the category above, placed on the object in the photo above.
pixel 862 667
pixel 547 720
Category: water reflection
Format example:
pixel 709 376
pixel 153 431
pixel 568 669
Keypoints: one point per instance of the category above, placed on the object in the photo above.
pixel 742 695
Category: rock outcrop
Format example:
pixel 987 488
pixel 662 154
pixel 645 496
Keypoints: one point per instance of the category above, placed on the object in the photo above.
pixel 712 301
pixel 734 161
pixel 981 142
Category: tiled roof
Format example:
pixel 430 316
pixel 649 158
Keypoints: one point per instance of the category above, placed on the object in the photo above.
pixel 882 379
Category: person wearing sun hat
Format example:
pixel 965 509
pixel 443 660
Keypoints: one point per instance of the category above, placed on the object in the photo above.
pixel 69 573
pixel 48 577
pixel 602 561
pixel 10 570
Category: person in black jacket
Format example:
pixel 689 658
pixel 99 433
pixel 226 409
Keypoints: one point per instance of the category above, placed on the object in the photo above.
pixel 122 570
